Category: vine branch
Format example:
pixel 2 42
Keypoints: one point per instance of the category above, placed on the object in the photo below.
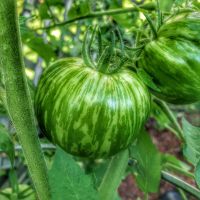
pixel 180 184
pixel 147 6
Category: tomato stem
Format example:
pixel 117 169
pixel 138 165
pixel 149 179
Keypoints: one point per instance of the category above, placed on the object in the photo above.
pixel 147 6
pixel 18 97
pixel 181 184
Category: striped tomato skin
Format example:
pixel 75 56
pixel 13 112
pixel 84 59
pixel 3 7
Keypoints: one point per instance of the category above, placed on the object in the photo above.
pixel 89 113
pixel 173 59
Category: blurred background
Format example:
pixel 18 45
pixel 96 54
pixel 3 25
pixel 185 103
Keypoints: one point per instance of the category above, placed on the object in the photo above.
pixel 45 39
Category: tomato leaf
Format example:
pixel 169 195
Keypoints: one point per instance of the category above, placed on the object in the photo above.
pixel 68 181
pixel 37 44
pixel 191 149
pixel 98 173
pixel 6 144
pixel 148 163
pixel 79 8
pixel 25 193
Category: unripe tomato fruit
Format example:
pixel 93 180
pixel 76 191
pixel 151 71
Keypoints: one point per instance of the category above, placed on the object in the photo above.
pixel 89 113
pixel 173 59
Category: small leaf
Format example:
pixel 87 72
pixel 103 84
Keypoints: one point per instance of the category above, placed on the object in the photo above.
pixel 6 144
pixel 68 181
pixel 37 44
pixel 147 79
pixel 25 193
pixel 191 149
pixel 148 165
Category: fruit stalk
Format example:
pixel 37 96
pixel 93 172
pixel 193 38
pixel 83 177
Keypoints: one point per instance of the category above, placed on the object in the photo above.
pixel 111 12
pixel 18 97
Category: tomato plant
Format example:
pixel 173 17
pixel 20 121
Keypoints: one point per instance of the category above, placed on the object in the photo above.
pixel 85 93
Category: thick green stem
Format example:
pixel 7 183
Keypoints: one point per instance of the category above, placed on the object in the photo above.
pixel 113 176
pixel 171 117
pixel 148 6
pixel 18 97
pixel 181 184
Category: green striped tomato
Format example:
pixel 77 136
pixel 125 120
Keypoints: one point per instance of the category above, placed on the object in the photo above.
pixel 89 113
pixel 173 59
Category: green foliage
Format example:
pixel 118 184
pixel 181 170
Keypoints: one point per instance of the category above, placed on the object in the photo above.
pixel 3 103
pixel 124 20
pixel 38 45
pixel 44 12
pixel 191 148
pixel 161 119
pixel 197 174
pixel 147 169
pixel 67 177
pixel 68 180
pixel 113 175
pixel 79 8
pixel 98 172
pixel 25 193
pixel 6 144
pixel 169 161
pixel 55 2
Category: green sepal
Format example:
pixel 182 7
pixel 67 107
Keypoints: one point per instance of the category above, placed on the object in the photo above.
pixel 87 47
pixel 99 37
pixel 104 60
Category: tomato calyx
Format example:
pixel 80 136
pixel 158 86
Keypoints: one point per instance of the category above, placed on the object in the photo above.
pixel 108 59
